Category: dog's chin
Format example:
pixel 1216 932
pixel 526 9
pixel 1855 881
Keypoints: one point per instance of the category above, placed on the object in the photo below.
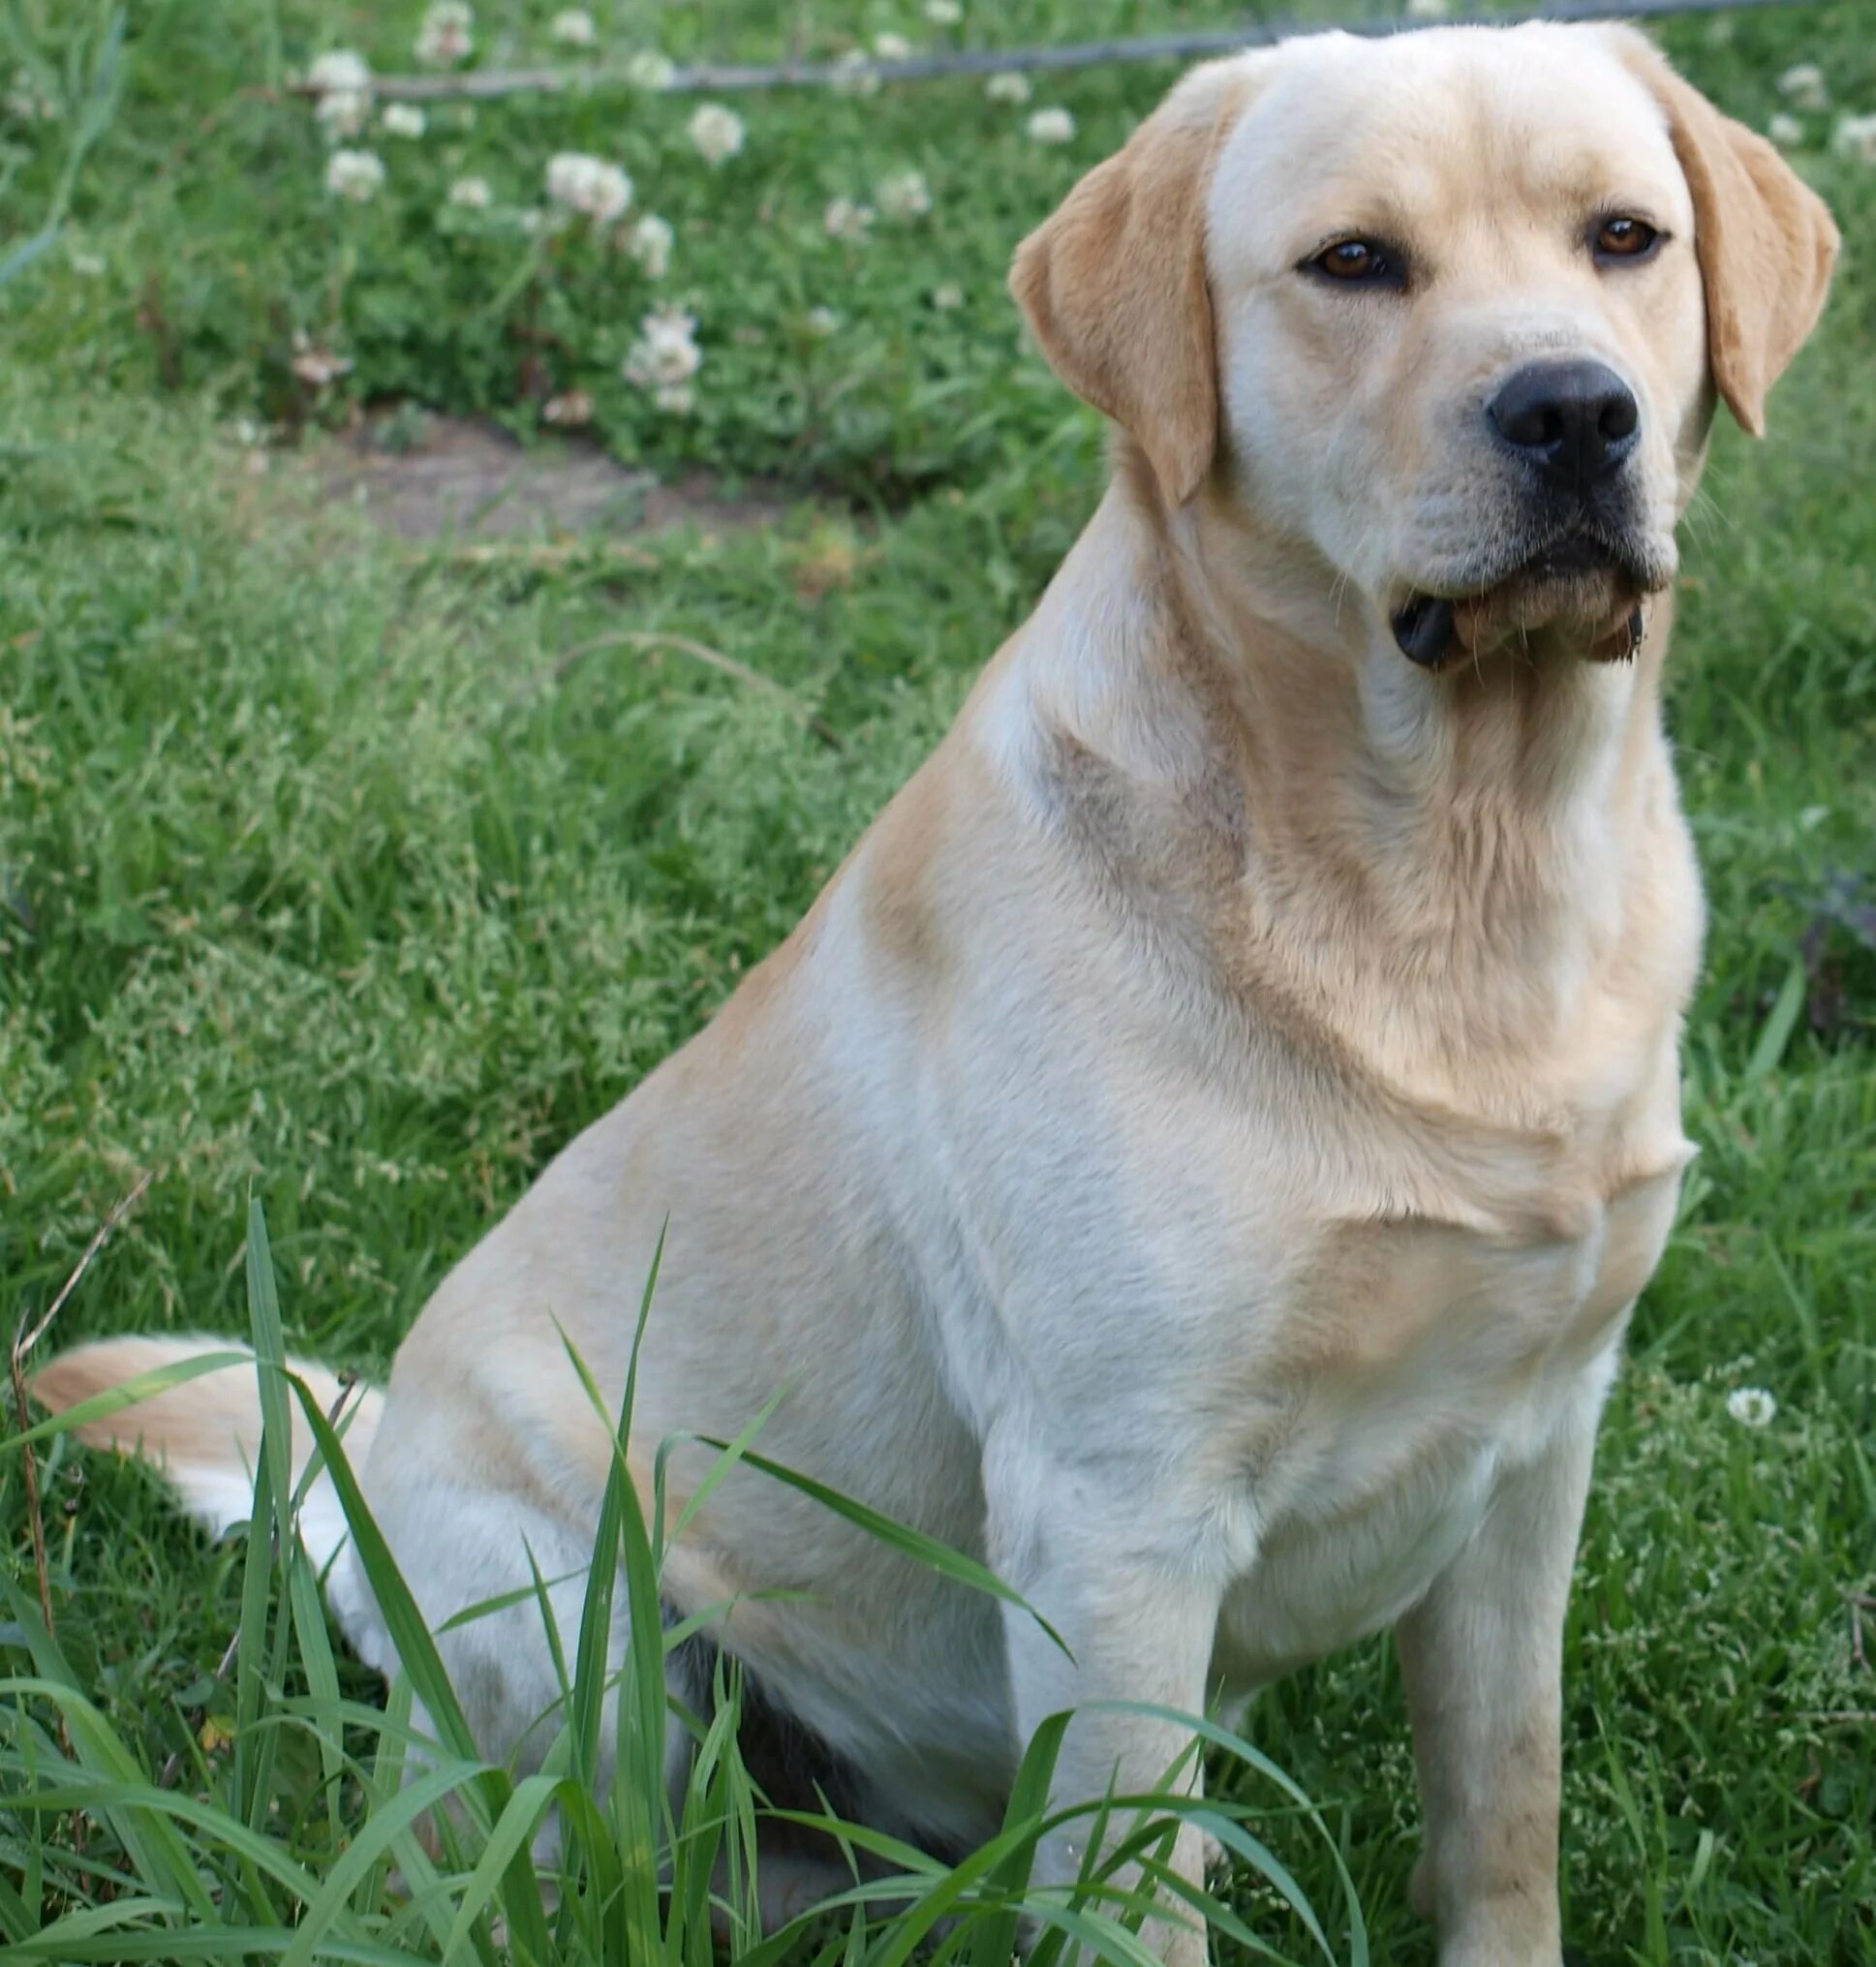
pixel 1575 599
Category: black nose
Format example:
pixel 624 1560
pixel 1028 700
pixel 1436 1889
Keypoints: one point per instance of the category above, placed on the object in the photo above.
pixel 1575 421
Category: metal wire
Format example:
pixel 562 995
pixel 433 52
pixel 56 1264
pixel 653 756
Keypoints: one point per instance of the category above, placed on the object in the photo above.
pixel 726 78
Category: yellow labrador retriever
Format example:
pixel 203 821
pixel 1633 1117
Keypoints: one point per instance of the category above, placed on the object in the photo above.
pixel 1201 1150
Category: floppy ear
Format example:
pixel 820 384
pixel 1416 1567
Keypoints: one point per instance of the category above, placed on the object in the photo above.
pixel 1766 240
pixel 1115 288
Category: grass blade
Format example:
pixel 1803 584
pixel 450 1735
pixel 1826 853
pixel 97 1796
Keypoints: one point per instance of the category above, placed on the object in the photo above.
pixel 321 1678
pixel 269 1362
pixel 392 1817
pixel 639 1765
pixel 139 1387
pixel 513 1831
pixel 914 1543
pixel 422 1665
pixel 1781 1021
pixel 994 1941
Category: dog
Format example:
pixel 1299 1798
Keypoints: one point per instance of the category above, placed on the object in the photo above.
pixel 1200 1153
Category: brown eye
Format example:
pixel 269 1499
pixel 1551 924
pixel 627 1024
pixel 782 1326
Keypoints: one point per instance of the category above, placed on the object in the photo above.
pixel 1358 263
pixel 1624 239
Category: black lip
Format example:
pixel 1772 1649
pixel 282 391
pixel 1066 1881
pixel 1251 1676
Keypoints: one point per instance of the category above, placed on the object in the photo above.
pixel 1423 625
pixel 1590 536
pixel 1424 629
pixel 1576 553
pixel 1581 548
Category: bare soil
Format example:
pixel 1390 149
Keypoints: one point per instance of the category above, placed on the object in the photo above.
pixel 452 477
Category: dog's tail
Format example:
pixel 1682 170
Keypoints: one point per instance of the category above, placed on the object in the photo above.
pixel 204 1435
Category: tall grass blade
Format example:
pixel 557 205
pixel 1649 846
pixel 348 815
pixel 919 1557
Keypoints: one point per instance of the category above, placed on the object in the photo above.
pixel 1235 1746
pixel 397 1814
pixel 1781 1021
pixel 514 1833
pixel 322 1679
pixel 269 1362
pixel 115 1399
pixel 901 1537
pixel 623 1542
pixel 252 1650
pixel 156 1853
pixel 219 1945
pixel 422 1665
pixel 731 1454
pixel 994 1940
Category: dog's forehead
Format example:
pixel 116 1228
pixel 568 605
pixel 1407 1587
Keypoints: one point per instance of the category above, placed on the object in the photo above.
pixel 1440 123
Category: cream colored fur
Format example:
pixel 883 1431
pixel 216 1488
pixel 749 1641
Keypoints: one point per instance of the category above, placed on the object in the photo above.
pixel 1201 1150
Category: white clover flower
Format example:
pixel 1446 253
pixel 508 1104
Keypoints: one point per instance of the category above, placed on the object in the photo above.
pixel 892 47
pixel 1855 137
pixel 651 71
pixel 848 222
pixel 344 113
pixel 1052 126
pixel 354 175
pixel 1785 130
pixel 91 265
pixel 1752 1406
pixel 338 69
pixel 341 82
pixel 573 27
pixel 855 75
pixel 717 133
pixel 823 321
pixel 947 296
pixel 473 194
pixel 1008 85
pixel 402 120
pixel 1802 85
pixel 588 185
pixel 944 12
pixel 649 242
pixel 903 196
pixel 447 35
pixel 1427 9
pixel 664 357
pixel 28 102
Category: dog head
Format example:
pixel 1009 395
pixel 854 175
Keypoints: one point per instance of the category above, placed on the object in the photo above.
pixel 1452 309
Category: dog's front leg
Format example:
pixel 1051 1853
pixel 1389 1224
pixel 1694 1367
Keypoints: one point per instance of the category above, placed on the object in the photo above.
pixel 1482 1658
pixel 1141 1628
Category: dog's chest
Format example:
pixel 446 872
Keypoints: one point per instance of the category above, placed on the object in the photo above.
pixel 1417 1359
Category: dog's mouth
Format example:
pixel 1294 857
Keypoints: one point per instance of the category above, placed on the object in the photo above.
pixel 1589 589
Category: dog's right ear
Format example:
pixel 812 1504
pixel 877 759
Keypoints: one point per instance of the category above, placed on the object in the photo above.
pixel 1115 285
pixel 1765 241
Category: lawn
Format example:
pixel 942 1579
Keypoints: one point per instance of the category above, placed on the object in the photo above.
pixel 354 873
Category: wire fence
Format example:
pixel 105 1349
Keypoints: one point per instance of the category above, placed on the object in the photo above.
pixel 724 77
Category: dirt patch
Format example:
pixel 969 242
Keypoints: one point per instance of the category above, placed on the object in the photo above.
pixel 432 478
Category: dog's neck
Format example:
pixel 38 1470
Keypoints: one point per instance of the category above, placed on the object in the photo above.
pixel 1450 865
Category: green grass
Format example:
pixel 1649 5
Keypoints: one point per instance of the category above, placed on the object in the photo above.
pixel 316 884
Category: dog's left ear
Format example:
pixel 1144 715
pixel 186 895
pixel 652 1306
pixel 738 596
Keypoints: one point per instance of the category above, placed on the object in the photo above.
pixel 1115 286
pixel 1766 240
